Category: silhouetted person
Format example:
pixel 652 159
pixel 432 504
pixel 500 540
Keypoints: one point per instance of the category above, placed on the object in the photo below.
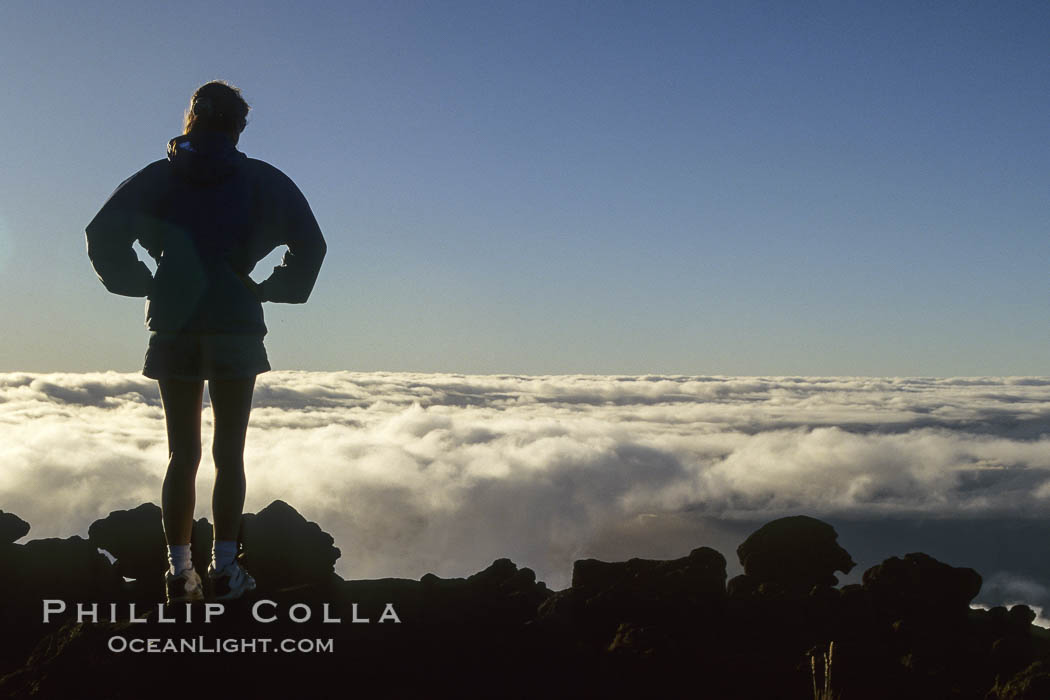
pixel 207 214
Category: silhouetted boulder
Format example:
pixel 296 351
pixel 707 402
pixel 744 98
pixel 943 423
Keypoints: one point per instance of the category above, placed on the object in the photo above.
pixel 282 548
pixel 495 574
pixel 503 577
pixel 703 572
pixel 1021 616
pixel 136 538
pixel 797 552
pixel 500 594
pixel 742 586
pixel 919 587
pixel 661 596
pixel 70 569
pixel 1013 645
pixel 12 527
pixel 635 628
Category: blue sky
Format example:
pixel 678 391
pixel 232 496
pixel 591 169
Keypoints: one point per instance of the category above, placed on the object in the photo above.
pixel 695 188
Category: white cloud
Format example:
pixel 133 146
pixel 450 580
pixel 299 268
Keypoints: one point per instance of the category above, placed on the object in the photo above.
pixel 1008 588
pixel 420 472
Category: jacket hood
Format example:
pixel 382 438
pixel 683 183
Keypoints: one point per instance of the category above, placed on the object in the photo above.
pixel 204 158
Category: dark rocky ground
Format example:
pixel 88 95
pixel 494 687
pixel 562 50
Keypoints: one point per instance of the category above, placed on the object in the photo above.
pixel 639 628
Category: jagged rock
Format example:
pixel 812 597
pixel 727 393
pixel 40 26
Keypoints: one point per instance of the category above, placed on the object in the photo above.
pixel 62 659
pixel 12 527
pixel 798 552
pixel 772 590
pixel 1011 654
pixel 499 594
pixel 1021 616
pixel 742 586
pixel 637 628
pixel 136 538
pixel 69 569
pixel 921 605
pixel 702 572
pixel 648 641
pixel 656 594
pixel 495 574
pixel 920 587
pixel 504 577
pixel 282 548
pixel 1032 683
pixel 826 594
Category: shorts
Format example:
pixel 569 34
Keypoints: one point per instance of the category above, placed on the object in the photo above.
pixel 204 356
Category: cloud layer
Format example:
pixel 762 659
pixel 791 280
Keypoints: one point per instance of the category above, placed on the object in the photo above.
pixel 444 473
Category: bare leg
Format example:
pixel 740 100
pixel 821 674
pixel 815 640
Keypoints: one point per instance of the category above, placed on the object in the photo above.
pixel 231 403
pixel 182 415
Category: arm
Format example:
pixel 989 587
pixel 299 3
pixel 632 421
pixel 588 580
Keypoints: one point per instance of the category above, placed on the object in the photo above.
pixel 110 236
pixel 292 281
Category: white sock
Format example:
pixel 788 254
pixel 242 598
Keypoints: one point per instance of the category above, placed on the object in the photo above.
pixel 179 558
pixel 223 553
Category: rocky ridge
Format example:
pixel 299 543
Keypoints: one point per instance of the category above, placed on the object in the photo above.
pixel 622 629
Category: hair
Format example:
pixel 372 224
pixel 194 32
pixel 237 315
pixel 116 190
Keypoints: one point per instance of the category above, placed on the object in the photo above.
pixel 217 106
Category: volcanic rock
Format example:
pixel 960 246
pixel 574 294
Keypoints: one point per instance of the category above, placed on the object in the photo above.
pixel 136 538
pixel 282 548
pixel 797 552
pixel 918 587
pixel 12 527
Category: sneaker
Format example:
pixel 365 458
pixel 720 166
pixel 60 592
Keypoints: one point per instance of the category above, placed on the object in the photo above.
pixel 230 583
pixel 184 587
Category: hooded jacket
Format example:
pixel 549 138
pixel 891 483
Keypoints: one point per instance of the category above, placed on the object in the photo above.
pixel 207 214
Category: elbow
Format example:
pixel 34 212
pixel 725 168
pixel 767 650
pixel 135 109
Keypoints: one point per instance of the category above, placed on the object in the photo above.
pixel 301 297
pixel 117 289
pixel 303 293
